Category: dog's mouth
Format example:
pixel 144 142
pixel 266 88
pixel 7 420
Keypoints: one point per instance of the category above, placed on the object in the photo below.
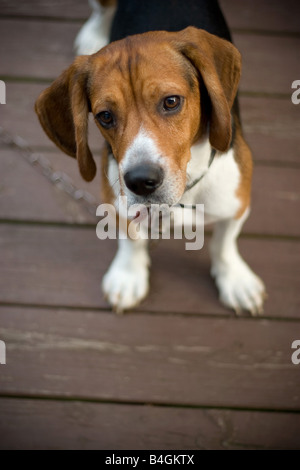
pixel 139 214
pixel 149 217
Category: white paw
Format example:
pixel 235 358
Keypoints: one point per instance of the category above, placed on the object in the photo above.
pixel 239 287
pixel 125 287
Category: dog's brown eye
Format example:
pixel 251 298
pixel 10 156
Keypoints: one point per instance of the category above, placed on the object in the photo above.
pixel 106 119
pixel 171 103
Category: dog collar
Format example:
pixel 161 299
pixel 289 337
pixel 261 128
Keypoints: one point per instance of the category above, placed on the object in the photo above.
pixel 196 181
pixel 191 185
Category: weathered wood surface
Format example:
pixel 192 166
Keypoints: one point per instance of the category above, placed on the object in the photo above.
pixel 180 347
pixel 64 267
pixel 47 49
pixel 263 57
pixel 275 201
pixel 25 194
pixel 69 9
pixel 269 15
pixel 272 126
pixel 272 129
pixel 75 425
pixel 19 118
pixel 150 358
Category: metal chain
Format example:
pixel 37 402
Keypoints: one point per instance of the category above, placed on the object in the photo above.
pixel 59 178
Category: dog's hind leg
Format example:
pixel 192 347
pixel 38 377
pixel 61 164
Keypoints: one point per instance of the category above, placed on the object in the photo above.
pixel 96 31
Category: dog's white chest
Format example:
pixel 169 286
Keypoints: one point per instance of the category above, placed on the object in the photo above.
pixel 217 190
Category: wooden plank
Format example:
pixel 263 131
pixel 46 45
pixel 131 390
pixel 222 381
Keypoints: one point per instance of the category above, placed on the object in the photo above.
pixel 270 64
pixel 275 196
pixel 275 199
pixel 47 48
pixel 19 118
pixel 275 202
pixel 39 425
pixel 266 15
pixel 271 125
pixel 271 186
pixel 272 128
pixel 64 266
pixel 71 9
pixel 61 162
pixel 40 261
pixel 150 359
pixel 191 290
pixel 27 194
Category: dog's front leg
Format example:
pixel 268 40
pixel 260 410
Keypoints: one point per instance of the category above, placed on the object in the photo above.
pixel 239 287
pixel 126 283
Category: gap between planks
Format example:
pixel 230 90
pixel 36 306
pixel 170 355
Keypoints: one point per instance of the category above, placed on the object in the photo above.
pixel 82 399
pixel 140 311
pixel 92 226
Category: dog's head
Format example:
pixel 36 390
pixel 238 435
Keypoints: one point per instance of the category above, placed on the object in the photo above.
pixel 152 96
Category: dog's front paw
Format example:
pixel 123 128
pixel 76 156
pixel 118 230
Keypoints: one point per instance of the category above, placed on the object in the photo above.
pixel 125 287
pixel 239 287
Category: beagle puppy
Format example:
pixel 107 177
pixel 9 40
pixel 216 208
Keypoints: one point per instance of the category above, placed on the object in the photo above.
pixel 163 94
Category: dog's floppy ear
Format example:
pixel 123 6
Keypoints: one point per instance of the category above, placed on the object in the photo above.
pixel 219 65
pixel 63 110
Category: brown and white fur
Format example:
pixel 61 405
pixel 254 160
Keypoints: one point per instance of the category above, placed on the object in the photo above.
pixel 132 79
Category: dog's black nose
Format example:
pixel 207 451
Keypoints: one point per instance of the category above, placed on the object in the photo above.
pixel 144 179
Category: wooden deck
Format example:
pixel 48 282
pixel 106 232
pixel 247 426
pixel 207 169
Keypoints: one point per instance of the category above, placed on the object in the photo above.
pixel 181 371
